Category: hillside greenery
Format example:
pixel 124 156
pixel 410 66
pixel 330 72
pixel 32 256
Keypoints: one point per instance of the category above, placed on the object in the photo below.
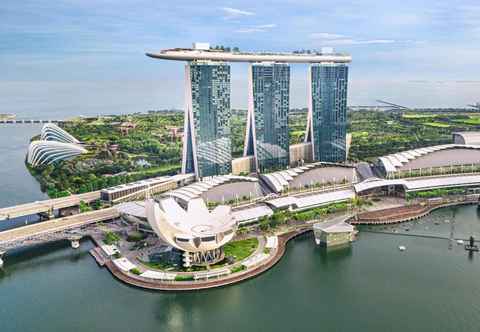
pixel 150 150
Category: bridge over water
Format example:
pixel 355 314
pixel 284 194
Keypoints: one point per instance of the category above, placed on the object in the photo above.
pixel 29 121
pixel 47 206
pixel 71 227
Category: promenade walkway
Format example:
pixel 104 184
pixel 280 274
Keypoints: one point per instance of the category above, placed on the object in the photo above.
pixel 406 213
pixel 233 278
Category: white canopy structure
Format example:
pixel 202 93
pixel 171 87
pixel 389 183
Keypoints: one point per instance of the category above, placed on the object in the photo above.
pixel 52 132
pixel 47 152
pixel 55 144
pixel 196 231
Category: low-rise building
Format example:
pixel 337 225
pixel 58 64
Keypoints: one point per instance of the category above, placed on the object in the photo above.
pixel 333 233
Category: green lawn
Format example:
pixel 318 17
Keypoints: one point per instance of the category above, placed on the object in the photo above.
pixel 241 249
pixel 418 116
pixel 475 121
pixel 437 124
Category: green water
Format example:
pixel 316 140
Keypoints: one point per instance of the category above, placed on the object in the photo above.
pixel 370 287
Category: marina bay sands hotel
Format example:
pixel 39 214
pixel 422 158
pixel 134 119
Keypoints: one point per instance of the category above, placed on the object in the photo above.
pixel 207 132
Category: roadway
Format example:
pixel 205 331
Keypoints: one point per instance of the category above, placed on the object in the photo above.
pixel 47 205
pixel 14 121
pixel 57 225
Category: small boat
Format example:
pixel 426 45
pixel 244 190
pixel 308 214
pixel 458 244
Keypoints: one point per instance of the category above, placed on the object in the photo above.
pixel 402 248
pixel 460 242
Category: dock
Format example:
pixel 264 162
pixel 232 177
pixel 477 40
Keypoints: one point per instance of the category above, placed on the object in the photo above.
pixel 100 258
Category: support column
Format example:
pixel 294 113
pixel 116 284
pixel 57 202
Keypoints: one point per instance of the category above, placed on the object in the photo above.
pixel 1 258
pixel 75 242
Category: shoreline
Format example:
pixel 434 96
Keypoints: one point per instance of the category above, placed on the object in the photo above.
pixel 409 217
pixel 157 285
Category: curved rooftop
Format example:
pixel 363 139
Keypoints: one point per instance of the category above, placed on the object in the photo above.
pixel 420 184
pixel 47 152
pixel 197 189
pixel 467 137
pixel 52 132
pixel 187 54
pixel 434 156
pixel 307 175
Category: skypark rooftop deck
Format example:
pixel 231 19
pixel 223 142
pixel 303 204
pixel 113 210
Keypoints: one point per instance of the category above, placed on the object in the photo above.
pixel 189 54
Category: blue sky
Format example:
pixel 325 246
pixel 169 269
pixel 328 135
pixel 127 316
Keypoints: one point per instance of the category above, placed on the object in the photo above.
pixel 84 57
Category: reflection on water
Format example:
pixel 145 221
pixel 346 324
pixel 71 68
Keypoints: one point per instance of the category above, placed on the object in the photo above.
pixel 425 288
pixel 460 221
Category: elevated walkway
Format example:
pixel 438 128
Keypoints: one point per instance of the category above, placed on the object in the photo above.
pixel 47 206
pixel 22 236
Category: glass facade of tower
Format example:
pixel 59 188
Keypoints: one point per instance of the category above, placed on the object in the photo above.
pixel 208 141
pixel 328 111
pixel 268 128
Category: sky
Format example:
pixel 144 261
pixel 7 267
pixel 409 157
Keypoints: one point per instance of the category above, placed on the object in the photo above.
pixel 87 57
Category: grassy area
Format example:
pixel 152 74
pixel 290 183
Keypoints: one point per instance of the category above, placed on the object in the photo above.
pixel 473 121
pixel 418 116
pixel 241 249
pixel 391 132
pixel 186 277
pixel 437 124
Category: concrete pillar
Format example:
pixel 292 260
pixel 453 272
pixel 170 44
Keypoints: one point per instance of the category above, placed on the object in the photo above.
pixel 75 241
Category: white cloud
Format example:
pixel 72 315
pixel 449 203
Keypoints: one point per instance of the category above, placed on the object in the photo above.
pixel 256 28
pixel 266 26
pixel 338 39
pixel 361 42
pixel 235 13
pixel 326 35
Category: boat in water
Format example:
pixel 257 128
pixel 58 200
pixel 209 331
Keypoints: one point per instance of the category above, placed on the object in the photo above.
pixel 402 248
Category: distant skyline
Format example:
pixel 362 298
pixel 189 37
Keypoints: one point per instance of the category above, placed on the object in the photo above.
pixel 86 57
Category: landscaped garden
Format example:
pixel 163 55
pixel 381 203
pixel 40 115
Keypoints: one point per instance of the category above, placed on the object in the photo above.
pixel 151 147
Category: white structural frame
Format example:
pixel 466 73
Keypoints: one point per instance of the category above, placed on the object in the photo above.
pixel 391 163
pixel 52 132
pixel 48 152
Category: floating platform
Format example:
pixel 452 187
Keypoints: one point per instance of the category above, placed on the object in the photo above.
pixel 469 247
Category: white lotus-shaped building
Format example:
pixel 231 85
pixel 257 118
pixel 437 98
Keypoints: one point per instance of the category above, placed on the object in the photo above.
pixel 199 233
pixel 52 132
pixel 47 152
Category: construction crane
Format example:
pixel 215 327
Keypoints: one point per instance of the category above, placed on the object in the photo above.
pixel 475 106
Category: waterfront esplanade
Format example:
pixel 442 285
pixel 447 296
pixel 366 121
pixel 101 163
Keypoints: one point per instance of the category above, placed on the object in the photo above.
pixel 206 145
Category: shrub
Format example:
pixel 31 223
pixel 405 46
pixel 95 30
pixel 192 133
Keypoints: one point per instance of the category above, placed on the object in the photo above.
pixel 135 237
pixel 238 268
pixel 111 238
pixel 135 271
pixel 184 277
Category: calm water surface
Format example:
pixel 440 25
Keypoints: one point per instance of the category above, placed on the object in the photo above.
pixel 370 287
